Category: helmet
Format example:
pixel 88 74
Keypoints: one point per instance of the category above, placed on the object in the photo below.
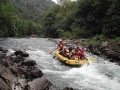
pixel 60 39
pixel 67 50
pixel 73 51
pixel 75 46
pixel 65 47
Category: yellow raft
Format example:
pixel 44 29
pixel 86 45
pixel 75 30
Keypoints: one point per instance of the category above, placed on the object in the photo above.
pixel 72 62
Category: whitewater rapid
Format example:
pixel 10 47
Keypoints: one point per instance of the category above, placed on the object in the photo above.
pixel 102 75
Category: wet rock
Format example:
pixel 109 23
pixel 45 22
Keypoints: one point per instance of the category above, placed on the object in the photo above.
pixel 14 71
pixel 36 73
pixel 7 63
pixel 4 79
pixel 18 59
pixel 68 88
pixel 3 85
pixel 11 72
pixel 27 86
pixel 105 50
pixel 21 53
pixel 18 52
pixel 24 54
pixel 40 84
pixel 22 71
pixel 29 63
pixel 33 73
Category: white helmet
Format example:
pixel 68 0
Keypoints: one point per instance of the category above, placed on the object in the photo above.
pixel 60 39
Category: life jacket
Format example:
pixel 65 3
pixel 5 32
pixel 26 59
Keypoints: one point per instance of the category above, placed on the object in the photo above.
pixel 80 52
pixel 60 46
pixel 76 49
pixel 71 55
pixel 65 52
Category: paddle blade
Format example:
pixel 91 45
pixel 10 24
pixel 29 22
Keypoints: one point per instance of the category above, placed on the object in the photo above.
pixel 86 58
pixel 54 57
pixel 50 52
pixel 92 59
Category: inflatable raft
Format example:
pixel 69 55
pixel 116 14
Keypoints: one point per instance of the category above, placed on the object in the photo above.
pixel 72 62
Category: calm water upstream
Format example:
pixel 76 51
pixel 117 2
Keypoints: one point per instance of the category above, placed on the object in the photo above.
pixel 102 75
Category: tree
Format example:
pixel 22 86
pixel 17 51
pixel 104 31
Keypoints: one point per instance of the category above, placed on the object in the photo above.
pixel 112 21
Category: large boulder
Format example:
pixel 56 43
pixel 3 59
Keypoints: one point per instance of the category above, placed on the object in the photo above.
pixel 24 54
pixel 32 73
pixel 40 84
pixel 22 71
pixel 21 53
pixel 36 73
pixel 68 88
pixel 28 63
pixel 18 59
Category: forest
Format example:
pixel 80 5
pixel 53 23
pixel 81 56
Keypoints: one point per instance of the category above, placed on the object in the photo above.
pixel 83 19
pixel 19 18
pixel 78 19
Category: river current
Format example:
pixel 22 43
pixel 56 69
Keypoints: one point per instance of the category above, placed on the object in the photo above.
pixel 101 75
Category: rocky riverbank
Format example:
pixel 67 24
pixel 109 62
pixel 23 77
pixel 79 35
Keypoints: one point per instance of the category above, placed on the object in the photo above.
pixel 19 73
pixel 104 50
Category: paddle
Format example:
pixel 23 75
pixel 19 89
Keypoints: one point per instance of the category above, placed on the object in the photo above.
pixel 91 59
pixel 52 51
pixel 54 57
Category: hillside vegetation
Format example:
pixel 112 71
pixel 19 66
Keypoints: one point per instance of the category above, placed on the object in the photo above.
pixel 20 17
pixel 31 9
pixel 80 19
pixel 83 19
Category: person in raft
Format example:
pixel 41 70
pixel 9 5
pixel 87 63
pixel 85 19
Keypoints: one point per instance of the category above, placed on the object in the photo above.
pixel 81 54
pixel 60 45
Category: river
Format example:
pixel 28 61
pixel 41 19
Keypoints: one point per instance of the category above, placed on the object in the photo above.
pixel 102 75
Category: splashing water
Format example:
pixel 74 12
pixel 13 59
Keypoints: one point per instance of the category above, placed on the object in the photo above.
pixel 102 75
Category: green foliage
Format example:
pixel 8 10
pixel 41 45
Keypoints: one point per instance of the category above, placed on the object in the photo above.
pixel 112 21
pixel 86 18
pixel 75 32
pixel 94 43
pixel 31 9
pixel 117 39
pixel 66 35
pixel 97 40
pixel 58 19
pixel 115 44
pixel 80 19
pixel 13 26
pixel 6 18
pixel 1 33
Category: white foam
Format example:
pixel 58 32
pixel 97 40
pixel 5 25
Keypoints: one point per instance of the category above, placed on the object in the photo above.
pixel 10 51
